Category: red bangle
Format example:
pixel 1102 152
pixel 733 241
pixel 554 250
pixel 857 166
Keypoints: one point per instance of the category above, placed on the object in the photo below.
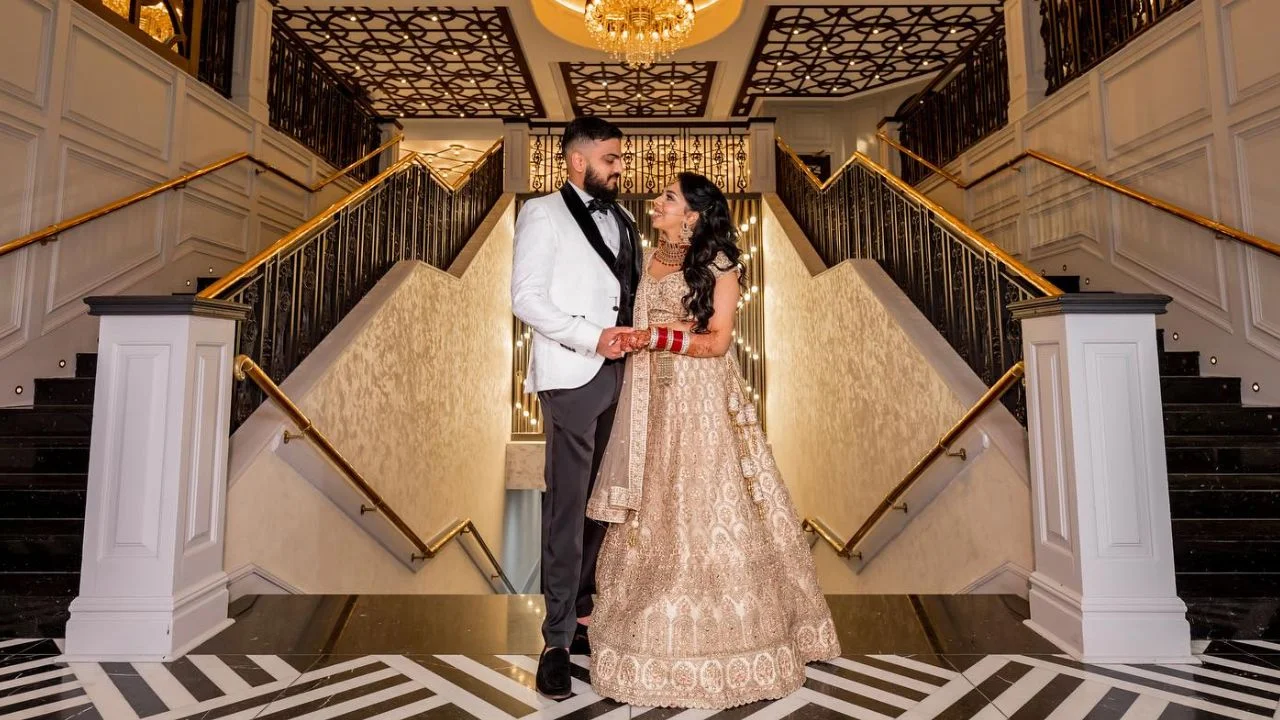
pixel 663 337
pixel 677 343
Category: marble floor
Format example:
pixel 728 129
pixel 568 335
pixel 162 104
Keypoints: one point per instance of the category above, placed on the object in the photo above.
pixel 401 657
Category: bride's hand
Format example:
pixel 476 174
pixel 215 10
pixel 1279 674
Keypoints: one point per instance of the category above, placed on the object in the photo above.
pixel 635 341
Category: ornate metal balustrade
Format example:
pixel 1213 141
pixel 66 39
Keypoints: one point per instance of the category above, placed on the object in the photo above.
pixel 195 35
pixel 312 103
pixel 965 102
pixel 1079 34
pixel 527 422
pixel 962 282
pixel 653 155
pixel 302 286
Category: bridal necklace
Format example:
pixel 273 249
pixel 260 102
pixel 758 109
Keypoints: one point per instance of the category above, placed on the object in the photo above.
pixel 670 255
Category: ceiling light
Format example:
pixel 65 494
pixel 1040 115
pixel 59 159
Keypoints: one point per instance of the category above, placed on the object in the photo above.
pixel 639 32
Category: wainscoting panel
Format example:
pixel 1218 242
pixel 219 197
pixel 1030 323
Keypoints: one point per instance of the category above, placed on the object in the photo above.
pixel 219 227
pixel 1250 43
pixel 107 90
pixel 1068 132
pixel 211 132
pixel 1175 71
pixel 1067 219
pixel 26 36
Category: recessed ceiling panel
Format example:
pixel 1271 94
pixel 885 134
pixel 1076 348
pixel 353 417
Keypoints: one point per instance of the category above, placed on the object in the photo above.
pixel 425 62
pixel 664 90
pixel 821 51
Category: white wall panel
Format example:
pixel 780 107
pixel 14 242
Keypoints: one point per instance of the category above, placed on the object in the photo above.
pixel 1151 94
pixel 210 133
pixel 26 34
pixel 91 255
pixel 1249 27
pixel 1066 219
pixel 1068 132
pixel 207 221
pixel 108 91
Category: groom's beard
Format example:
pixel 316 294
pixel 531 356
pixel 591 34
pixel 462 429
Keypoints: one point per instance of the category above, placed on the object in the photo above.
pixel 598 187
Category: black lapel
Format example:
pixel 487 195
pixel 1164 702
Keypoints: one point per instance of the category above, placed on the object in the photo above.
pixel 586 223
pixel 627 229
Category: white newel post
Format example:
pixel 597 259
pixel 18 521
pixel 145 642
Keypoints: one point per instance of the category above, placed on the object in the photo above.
pixel 515 159
pixel 762 143
pixel 1103 587
pixel 886 155
pixel 152 585
pixel 1027 83
pixel 252 60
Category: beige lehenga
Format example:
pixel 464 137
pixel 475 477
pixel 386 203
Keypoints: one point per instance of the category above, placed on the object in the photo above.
pixel 707 592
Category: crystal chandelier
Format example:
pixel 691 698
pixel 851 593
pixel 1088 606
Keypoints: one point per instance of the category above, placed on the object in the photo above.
pixel 639 31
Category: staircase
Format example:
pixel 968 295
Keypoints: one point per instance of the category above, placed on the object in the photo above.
pixel 1224 491
pixel 44 464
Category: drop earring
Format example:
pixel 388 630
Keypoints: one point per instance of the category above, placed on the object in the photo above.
pixel 686 233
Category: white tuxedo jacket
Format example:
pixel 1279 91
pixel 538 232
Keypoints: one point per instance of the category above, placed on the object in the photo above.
pixel 562 286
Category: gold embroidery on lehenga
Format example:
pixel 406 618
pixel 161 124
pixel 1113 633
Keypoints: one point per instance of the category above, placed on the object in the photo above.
pixel 708 596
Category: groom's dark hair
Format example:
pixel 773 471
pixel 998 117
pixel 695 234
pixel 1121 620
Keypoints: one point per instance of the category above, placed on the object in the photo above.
pixel 589 128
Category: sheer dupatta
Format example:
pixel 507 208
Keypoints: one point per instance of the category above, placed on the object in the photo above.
pixel 620 481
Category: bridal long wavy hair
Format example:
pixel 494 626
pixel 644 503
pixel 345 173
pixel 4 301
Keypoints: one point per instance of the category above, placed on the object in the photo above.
pixel 714 233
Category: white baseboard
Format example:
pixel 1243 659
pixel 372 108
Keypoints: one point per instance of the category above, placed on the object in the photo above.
pixel 1007 579
pixel 249 579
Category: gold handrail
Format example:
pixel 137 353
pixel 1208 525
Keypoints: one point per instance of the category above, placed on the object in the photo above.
pixel 1218 228
pixel 53 231
pixel 245 368
pixel 298 233
pixel 846 548
pixel 1035 279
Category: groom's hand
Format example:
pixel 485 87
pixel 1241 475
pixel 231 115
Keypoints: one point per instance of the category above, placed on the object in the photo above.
pixel 610 344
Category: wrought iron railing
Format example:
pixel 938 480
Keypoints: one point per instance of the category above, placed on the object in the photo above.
pixel 965 102
pixel 171 28
pixel 315 105
pixel 653 155
pixel 217 43
pixel 1079 34
pixel 527 422
pixel 961 281
pixel 302 286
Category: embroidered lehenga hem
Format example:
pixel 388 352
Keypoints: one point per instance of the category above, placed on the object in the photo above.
pixel 707 594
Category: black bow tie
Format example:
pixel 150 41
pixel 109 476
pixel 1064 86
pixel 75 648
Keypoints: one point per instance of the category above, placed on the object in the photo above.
pixel 600 206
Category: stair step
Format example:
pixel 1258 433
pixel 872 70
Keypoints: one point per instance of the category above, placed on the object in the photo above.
pixel 1234 584
pixel 1221 420
pixel 1223 481
pixel 1065 283
pixel 64 392
pixel 205 281
pixel 1227 529
pixel 1179 364
pixel 1231 618
pixel 1232 455
pixel 1217 556
pixel 35 421
pixel 44 544
pixel 86 365
pixel 45 502
pixel 1200 390
pixel 1225 504
pixel 1160 340
pixel 40 583
pixel 50 440
pixel 44 460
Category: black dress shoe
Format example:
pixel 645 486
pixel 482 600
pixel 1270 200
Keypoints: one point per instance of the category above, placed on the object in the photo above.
pixel 553 677
pixel 581 644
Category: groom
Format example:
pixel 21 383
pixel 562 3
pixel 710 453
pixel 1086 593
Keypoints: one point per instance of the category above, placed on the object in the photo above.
pixel 573 280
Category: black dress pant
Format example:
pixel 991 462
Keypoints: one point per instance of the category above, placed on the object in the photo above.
pixel 578 423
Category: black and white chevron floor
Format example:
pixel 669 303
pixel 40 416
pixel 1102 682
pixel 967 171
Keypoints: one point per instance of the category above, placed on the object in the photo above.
pixel 1236 680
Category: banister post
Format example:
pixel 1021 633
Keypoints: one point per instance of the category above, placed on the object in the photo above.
pixel 1103 587
pixel 252 63
pixel 152 584
pixel 515 159
pixel 761 141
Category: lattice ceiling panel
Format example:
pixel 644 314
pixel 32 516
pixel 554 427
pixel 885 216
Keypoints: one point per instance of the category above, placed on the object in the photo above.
pixel 664 90
pixel 820 51
pixel 425 62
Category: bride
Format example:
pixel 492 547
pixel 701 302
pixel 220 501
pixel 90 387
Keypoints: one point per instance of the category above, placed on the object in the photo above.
pixel 707 596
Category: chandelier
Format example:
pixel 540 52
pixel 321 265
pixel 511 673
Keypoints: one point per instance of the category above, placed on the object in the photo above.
pixel 639 31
